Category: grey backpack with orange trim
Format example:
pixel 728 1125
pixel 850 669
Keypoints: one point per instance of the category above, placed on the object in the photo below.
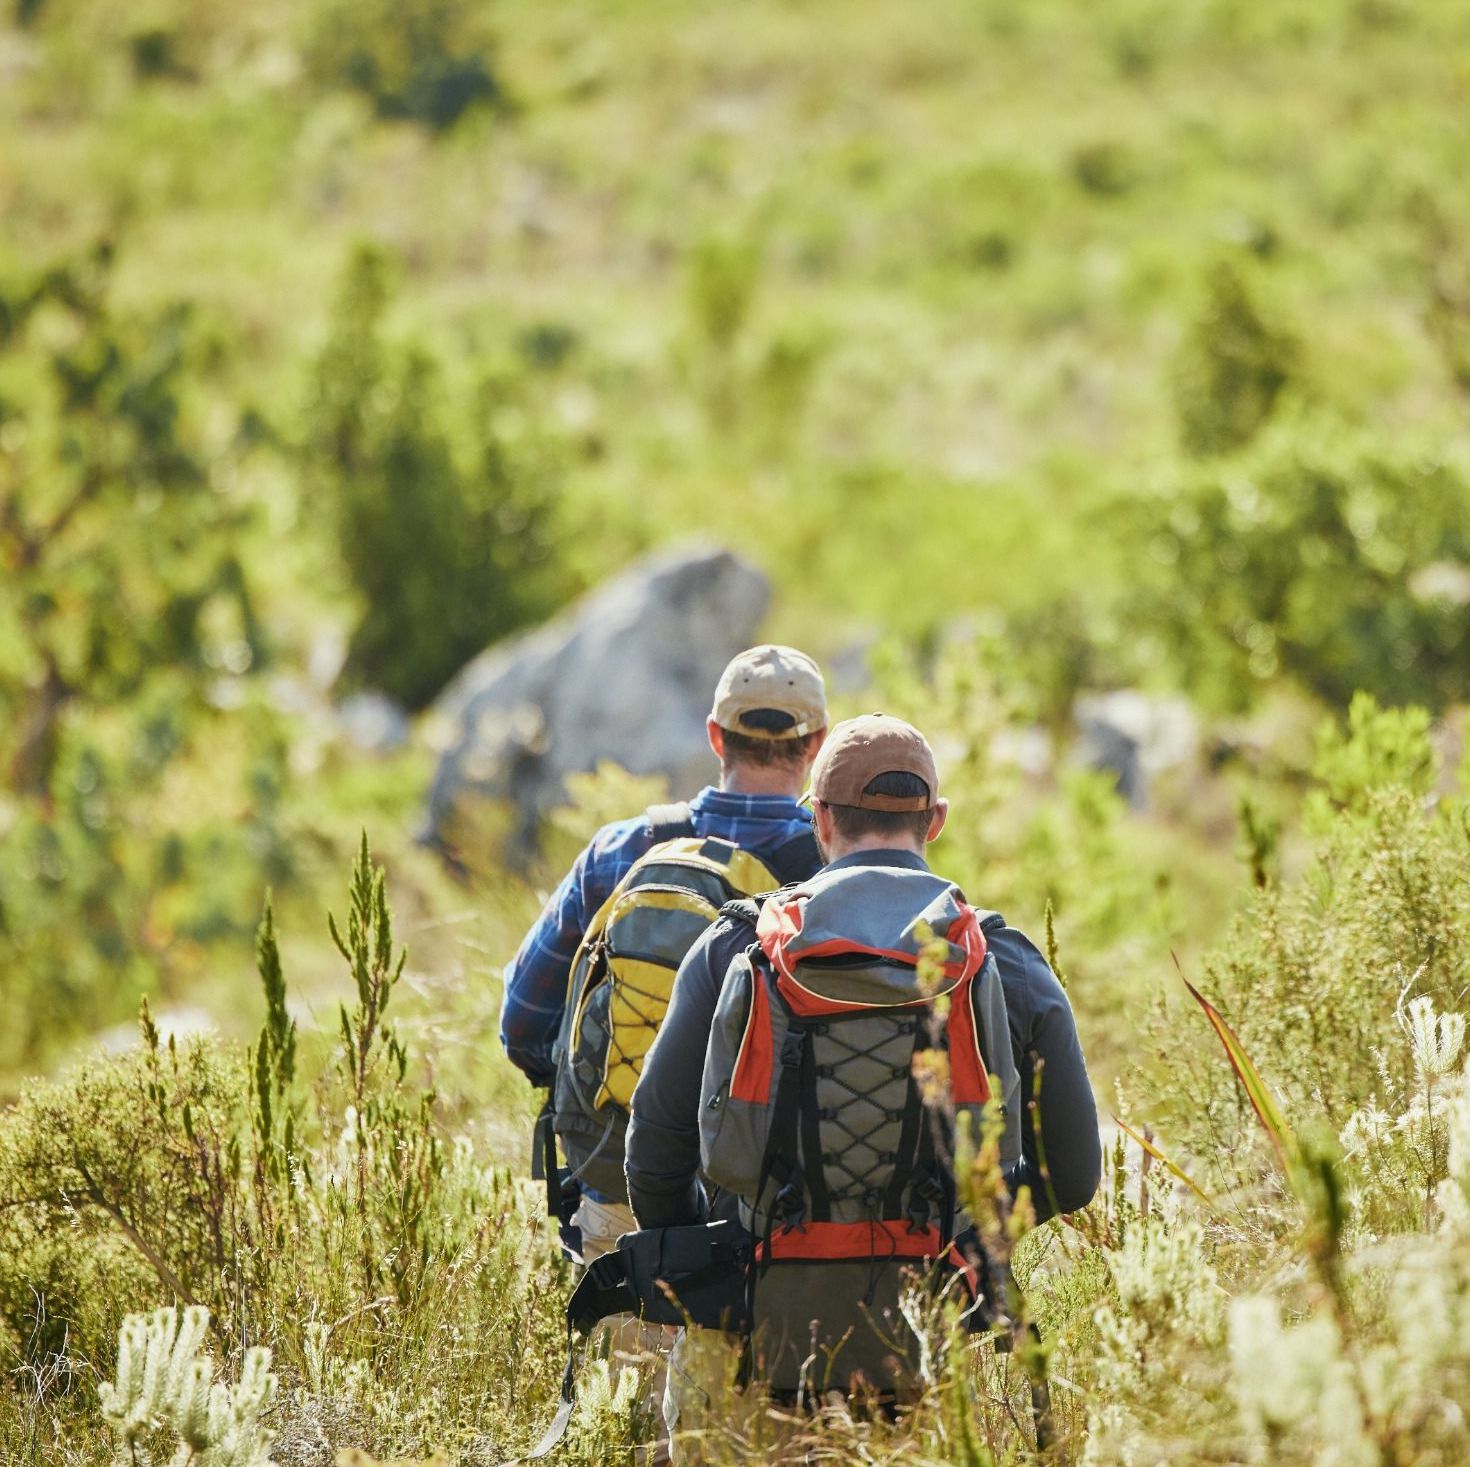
pixel 812 1109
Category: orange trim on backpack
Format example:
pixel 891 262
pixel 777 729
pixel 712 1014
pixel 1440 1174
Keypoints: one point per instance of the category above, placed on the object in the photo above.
pixel 751 1079
pixel 818 1242
pixel 969 1084
pixel 831 1242
pixel 780 923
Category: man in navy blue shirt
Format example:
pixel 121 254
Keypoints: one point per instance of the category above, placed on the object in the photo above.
pixel 767 723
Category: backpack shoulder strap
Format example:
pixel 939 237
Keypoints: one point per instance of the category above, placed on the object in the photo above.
pixel 670 822
pixel 743 909
pixel 795 859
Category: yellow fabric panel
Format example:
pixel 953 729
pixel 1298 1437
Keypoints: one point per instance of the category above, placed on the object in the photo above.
pixel 640 997
pixel 665 900
pixel 750 874
pixel 746 873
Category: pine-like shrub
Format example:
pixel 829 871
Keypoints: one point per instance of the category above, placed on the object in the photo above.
pixel 446 535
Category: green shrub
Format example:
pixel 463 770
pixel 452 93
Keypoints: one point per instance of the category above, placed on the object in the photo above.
pixel 1314 555
pixel 1230 369
pixel 323 1215
pixel 1315 974
pixel 141 818
pixel 1381 748
pixel 427 61
pixel 448 545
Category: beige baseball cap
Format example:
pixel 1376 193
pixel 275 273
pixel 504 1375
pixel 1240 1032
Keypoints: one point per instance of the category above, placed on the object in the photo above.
pixel 858 750
pixel 771 677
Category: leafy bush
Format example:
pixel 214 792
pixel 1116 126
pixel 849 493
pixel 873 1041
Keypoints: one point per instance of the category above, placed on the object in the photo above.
pixel 1312 555
pixel 1231 368
pixel 1316 975
pixel 428 61
pixel 325 1217
pixel 115 531
pixel 448 547
pixel 126 621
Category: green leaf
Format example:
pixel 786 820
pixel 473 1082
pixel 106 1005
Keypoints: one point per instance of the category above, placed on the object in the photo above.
pixel 1163 1160
pixel 1263 1102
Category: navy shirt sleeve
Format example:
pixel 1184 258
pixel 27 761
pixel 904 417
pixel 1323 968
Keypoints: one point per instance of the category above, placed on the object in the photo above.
pixel 536 978
pixel 663 1135
pixel 1061 1152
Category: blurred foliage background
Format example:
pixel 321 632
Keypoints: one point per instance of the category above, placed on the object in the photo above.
pixel 1066 347
pixel 1036 350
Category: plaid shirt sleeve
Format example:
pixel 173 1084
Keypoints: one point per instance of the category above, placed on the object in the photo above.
pixel 536 977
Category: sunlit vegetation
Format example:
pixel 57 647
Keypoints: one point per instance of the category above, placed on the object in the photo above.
pixel 1033 350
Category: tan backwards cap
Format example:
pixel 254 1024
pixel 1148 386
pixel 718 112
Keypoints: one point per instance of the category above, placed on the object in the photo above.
pixel 858 750
pixel 770 677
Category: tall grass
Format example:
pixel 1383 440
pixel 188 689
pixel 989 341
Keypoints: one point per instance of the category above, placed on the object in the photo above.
pixel 411 1296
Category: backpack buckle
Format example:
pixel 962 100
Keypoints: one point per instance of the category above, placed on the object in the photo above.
pixel 926 1197
pixel 790 1205
pixel 792 1047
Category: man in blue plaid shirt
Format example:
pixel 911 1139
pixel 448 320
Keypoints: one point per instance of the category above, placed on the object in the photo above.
pixel 768 721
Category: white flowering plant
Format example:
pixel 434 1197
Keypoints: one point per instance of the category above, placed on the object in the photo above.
pixel 165 1405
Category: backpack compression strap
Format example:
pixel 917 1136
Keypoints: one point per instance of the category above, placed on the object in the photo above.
pixel 563 1191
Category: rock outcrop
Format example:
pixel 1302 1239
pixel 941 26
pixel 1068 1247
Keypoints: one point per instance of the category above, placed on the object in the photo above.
pixel 625 674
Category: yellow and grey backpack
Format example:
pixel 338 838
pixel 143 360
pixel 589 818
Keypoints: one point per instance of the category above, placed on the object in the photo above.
pixel 623 974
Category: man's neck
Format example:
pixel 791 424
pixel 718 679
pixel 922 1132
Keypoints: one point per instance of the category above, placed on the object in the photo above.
pixel 839 849
pixel 757 780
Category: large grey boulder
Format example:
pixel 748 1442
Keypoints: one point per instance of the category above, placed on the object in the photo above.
pixel 626 674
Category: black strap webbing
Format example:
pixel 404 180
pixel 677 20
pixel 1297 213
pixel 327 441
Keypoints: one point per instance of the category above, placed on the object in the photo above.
pixel 811 1135
pixel 563 1190
pixel 543 1156
pixel 782 1158
pixel 909 1141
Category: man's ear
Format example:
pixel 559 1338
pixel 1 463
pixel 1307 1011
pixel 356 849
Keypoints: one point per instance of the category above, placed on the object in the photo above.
pixel 815 746
pixel 937 819
pixel 822 823
pixel 716 738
